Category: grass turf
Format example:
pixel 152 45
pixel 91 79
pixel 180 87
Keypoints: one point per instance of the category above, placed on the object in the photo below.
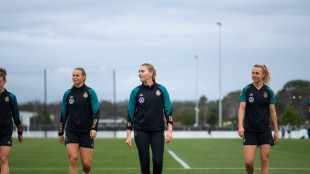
pixel 113 156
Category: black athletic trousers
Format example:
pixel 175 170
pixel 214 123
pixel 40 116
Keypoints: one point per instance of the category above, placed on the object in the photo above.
pixel 143 141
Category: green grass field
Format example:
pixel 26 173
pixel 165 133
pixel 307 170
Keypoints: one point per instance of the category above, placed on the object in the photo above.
pixel 112 156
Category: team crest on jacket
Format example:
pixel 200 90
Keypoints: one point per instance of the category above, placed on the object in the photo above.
pixel 158 92
pixel 265 94
pixel 85 95
pixel 141 100
pixel 71 101
pixel 251 99
pixel 7 99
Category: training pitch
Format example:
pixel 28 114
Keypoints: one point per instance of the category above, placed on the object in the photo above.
pixel 182 156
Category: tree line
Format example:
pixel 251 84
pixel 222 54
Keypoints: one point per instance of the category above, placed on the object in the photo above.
pixel 292 107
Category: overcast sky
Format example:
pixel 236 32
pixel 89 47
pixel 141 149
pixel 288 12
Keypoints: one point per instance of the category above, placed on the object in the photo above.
pixel 120 35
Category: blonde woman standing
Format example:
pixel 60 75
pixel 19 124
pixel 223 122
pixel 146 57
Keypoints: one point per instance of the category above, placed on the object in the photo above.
pixel 148 104
pixel 80 112
pixel 257 105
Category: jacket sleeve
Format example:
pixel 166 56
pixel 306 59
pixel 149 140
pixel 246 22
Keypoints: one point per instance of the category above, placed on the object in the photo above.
pixel 95 108
pixel 64 113
pixel 309 108
pixel 242 97
pixel 131 108
pixel 167 105
pixel 15 114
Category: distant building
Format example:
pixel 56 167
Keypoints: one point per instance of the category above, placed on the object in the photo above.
pixel 110 121
pixel 25 118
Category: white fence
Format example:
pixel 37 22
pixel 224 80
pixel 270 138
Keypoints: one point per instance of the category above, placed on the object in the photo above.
pixel 176 134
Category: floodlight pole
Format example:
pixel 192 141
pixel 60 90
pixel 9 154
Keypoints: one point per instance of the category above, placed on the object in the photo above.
pixel 45 105
pixel 220 77
pixel 196 107
pixel 114 102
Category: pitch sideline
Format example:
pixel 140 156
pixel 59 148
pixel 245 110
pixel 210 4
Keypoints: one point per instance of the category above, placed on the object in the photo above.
pixel 185 166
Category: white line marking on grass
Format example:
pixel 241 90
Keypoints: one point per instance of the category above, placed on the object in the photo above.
pixel 132 168
pixel 179 160
pixel 215 168
pixel 289 168
pixel 67 168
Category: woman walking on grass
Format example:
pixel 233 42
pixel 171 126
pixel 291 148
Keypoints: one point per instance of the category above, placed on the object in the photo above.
pixel 257 105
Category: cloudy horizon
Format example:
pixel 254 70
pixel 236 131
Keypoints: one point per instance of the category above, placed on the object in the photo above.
pixel 103 36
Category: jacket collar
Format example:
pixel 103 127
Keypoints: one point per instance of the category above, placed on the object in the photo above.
pixel 149 87
pixel 80 88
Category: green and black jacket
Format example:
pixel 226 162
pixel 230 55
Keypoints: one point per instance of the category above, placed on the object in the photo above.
pixel 309 108
pixel 147 107
pixel 8 110
pixel 80 110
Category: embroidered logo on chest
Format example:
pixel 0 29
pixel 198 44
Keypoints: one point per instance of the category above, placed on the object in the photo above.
pixel 7 99
pixel 71 100
pixel 85 95
pixel 265 95
pixel 141 100
pixel 251 99
pixel 158 93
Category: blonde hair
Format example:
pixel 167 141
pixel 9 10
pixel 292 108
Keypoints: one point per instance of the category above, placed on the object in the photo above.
pixel 266 71
pixel 3 73
pixel 83 74
pixel 151 68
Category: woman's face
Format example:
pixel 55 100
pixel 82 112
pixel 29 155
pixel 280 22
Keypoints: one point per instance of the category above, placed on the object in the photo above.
pixel 145 74
pixel 257 74
pixel 2 83
pixel 77 77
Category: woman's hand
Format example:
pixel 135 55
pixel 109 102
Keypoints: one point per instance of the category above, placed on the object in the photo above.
pixel 93 134
pixel 276 137
pixel 169 136
pixel 128 141
pixel 61 139
pixel 241 131
pixel 20 138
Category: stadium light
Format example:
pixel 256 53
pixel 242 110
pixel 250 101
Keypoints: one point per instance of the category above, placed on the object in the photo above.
pixel 220 84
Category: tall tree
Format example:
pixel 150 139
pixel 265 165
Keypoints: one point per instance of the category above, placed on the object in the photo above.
pixel 231 105
pixel 203 110
pixel 290 115
pixel 294 93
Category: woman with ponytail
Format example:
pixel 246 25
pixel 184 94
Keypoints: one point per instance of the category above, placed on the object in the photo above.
pixel 257 106
pixel 148 104
pixel 9 110
pixel 80 114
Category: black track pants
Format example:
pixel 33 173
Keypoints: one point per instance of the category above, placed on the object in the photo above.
pixel 143 141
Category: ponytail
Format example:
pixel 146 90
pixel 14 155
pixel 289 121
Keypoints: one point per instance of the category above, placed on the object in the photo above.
pixel 266 71
pixel 151 68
